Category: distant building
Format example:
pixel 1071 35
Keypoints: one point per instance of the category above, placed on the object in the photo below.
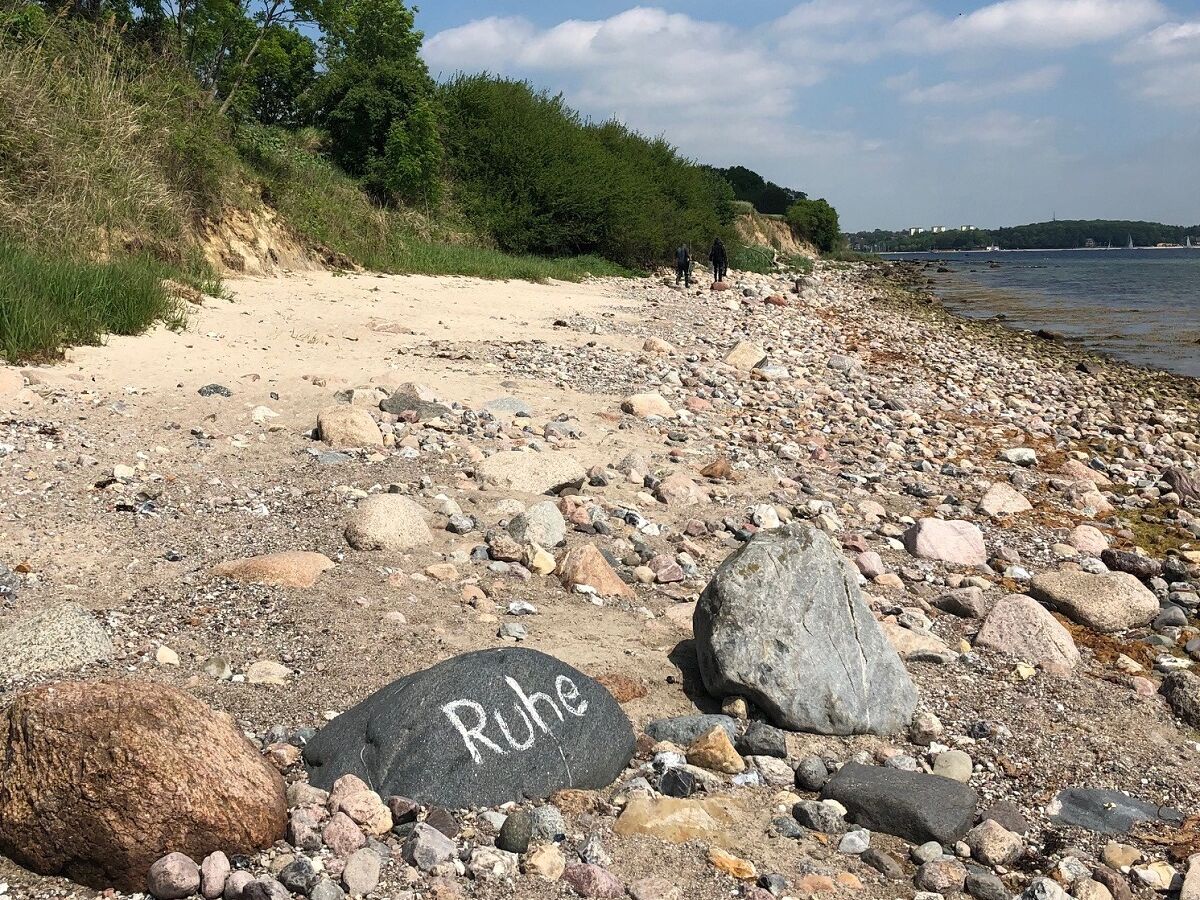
pixel 1090 243
pixel 966 227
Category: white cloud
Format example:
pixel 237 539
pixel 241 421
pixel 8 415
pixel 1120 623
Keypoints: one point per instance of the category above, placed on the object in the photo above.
pixel 1165 64
pixel 998 129
pixel 982 87
pixel 1045 24
pixel 1173 40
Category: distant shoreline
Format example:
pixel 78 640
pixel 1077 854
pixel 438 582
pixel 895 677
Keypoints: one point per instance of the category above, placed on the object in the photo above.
pixel 890 253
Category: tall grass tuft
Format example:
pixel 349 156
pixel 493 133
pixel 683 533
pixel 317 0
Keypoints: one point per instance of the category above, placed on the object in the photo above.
pixel 48 303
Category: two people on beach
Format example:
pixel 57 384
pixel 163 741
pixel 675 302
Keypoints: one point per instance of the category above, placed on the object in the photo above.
pixel 717 256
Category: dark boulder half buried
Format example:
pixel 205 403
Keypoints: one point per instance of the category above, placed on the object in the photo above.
pixel 909 805
pixel 480 729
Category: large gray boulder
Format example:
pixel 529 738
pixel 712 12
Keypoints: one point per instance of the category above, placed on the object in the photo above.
pixel 783 623
pixel 909 805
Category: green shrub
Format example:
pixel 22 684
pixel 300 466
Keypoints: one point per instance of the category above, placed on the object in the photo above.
pixel 801 263
pixel 747 258
pixel 815 221
pixel 47 303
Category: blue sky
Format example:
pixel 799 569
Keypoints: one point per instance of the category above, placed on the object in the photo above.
pixel 899 112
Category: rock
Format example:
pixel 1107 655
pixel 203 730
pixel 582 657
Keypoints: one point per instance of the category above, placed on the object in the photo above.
pixel 881 862
pixel 914 642
pixel 1182 691
pixel 269 672
pixel 236 884
pixel 388 522
pixel 1106 811
pixel 1088 539
pixel 953 764
pixel 1002 499
pixel 214 872
pixel 746 356
pixel 532 473
pixel 983 885
pixel 954 542
pixel 714 751
pixel 299 876
pixel 762 739
pixel 342 835
pixel 1007 814
pixel 1090 889
pixel 326 890
pixel 992 844
pixel 489 864
pixel 348 426
pixel 517 831
pixel 655 888
pixel 1113 601
pixel 480 729
pixel 546 861
pixel 733 866
pixel 62 638
pixel 679 490
pixel 646 405
pixel 1137 565
pixel 909 805
pixel 592 881
pixel 683 730
pixel 361 874
pixel 586 565
pixel 942 876
pixel 215 390
pixel 297 569
pixel 658 345
pixel 413 400
pixel 508 406
pixel 173 877
pixel 1018 456
pixel 782 624
pixel 925 729
pixel 811 774
pixel 139 743
pixel 674 820
pixel 825 818
pixel 1018 626
pixel 427 848
pixel 540 524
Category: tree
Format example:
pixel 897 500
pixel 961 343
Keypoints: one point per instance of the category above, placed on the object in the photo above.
pixel 815 221
pixel 376 101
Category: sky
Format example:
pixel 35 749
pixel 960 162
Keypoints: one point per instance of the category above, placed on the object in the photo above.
pixel 899 112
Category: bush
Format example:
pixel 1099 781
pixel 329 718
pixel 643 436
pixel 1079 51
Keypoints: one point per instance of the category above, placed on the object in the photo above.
pixel 532 175
pixel 815 221
pixel 47 303
pixel 746 258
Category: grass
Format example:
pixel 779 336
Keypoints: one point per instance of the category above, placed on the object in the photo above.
pixel 800 263
pixel 744 258
pixel 47 303
pixel 330 210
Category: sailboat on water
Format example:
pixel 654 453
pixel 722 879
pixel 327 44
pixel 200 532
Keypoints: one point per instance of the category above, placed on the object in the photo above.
pixel 1129 246
pixel 1190 245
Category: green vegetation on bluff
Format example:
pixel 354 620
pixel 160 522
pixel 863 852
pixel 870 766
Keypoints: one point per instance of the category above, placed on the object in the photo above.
pixel 130 129
pixel 1057 235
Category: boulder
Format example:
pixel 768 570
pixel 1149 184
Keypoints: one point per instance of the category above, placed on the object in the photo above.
pixel 1002 499
pixel 680 490
pixel 955 542
pixel 675 820
pixel 1020 627
pixel 1088 539
pixel 103 779
pixel 413 401
pixel 58 639
pixel 1112 601
pixel 387 522
pixel 912 642
pixel 783 624
pixel 348 426
pixel 909 805
pixel 480 729
pixel 646 405
pixel 1182 692
pixel 683 730
pixel 586 565
pixel 295 569
pixel 528 472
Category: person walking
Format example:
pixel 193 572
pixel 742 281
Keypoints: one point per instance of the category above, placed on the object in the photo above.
pixel 683 264
pixel 719 259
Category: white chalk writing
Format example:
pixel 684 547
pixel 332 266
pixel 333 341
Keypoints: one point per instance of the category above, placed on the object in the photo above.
pixel 537 712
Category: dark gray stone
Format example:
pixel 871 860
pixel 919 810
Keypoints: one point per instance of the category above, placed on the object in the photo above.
pixel 783 624
pixel 452 735
pixel 1106 812
pixel 882 862
pixel 762 739
pixel 517 831
pixel 683 730
pixel 403 401
pixel 1134 563
pixel 265 888
pixel 299 876
pixel 1182 690
pixel 677 782
pixel 986 886
pixel 811 774
pixel 788 828
pixel 818 816
pixel 909 805
pixel 326 890
pixel 215 390
pixel 426 848
pixel 1008 814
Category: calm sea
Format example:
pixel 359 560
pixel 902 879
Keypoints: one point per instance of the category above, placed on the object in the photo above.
pixel 1139 305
